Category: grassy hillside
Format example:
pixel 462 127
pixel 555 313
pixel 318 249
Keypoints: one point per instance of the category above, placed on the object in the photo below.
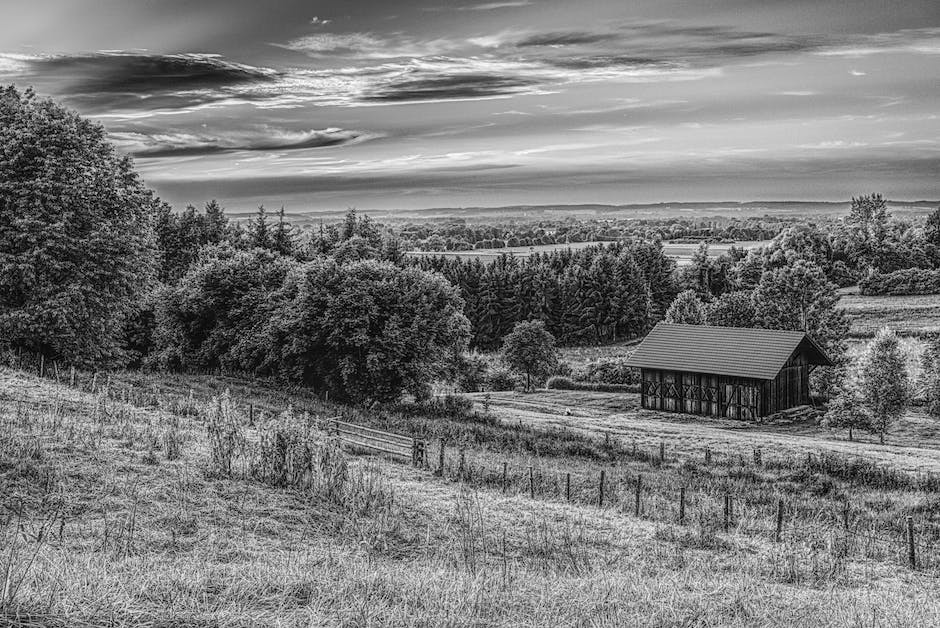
pixel 117 510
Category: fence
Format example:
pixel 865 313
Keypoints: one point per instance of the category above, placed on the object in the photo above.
pixel 371 439
pixel 726 511
pixel 916 544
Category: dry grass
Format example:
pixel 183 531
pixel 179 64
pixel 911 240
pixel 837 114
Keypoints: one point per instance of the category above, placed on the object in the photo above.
pixel 111 530
pixel 908 315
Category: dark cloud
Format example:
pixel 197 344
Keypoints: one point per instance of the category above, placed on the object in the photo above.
pixel 574 38
pixel 185 144
pixel 117 80
pixel 450 87
pixel 608 61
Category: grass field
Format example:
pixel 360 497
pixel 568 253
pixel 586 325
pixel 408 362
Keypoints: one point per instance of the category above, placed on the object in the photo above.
pixel 121 516
pixel 909 315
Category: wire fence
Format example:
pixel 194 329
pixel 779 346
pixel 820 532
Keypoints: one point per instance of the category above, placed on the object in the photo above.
pixel 906 540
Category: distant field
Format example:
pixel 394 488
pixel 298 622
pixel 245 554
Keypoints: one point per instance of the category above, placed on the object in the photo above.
pixel 912 315
pixel 681 252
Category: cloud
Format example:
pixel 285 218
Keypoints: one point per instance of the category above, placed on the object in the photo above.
pixel 117 80
pixel 451 87
pixel 912 40
pixel 490 6
pixel 182 144
pixel 565 39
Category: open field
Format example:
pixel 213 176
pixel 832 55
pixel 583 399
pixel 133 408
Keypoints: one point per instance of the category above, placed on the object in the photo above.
pixel 122 518
pixel 681 252
pixel 907 315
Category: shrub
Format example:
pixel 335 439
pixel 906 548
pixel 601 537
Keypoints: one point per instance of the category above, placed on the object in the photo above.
pixel 500 379
pixel 609 371
pixel 449 405
pixel 565 383
pixel 901 282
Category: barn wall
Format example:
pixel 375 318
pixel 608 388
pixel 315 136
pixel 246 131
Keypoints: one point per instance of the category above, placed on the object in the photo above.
pixel 791 386
pixel 701 393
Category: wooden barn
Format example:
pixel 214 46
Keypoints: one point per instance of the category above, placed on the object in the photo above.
pixel 734 372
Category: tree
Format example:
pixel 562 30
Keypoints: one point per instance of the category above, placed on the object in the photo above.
pixel 364 330
pixel 883 381
pixel 283 238
pixel 931 376
pixel 932 236
pixel 686 309
pixel 259 234
pixel 732 309
pixel 867 223
pixel 800 297
pixel 213 316
pixel 847 410
pixel 530 349
pixel 76 234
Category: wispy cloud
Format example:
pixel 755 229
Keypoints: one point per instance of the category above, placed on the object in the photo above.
pixel 183 143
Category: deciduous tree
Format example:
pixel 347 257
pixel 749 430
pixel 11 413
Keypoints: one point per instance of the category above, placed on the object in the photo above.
pixel 76 234
pixel 883 381
pixel 530 349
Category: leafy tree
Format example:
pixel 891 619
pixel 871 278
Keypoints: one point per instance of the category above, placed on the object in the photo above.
pixel 76 234
pixel 213 316
pixel 530 349
pixel 800 297
pixel 931 376
pixel 867 223
pixel 932 236
pixel 732 309
pixel 364 330
pixel 847 410
pixel 883 381
pixel 687 309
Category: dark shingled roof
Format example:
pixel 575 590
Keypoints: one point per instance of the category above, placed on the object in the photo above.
pixel 733 351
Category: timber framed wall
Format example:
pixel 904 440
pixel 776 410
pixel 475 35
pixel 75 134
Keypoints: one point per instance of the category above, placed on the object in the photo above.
pixel 702 393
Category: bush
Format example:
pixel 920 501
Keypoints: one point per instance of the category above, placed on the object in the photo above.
pixel 609 371
pixel 500 379
pixel 901 282
pixel 449 405
pixel 564 383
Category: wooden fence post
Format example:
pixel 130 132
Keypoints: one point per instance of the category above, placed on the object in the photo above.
pixel 682 505
pixel 607 439
pixel 72 377
pixel 251 414
pixel 440 459
pixel 463 464
pixel 600 488
pixel 911 555
pixel 568 487
pixel 505 475
pixel 727 511
pixel 42 364
pixel 531 484
pixel 845 515
pixel 708 455
pixel 636 497
pixel 662 452
pixel 779 531
pixel 757 456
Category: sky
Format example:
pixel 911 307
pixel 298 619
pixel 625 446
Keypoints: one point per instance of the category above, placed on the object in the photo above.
pixel 408 104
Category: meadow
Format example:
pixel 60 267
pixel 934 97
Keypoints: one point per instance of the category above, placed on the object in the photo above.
pixel 136 498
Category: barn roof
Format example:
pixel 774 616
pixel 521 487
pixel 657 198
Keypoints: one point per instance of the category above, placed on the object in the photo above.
pixel 733 351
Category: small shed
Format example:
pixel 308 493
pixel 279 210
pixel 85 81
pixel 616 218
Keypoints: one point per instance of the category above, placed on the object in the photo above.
pixel 734 372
